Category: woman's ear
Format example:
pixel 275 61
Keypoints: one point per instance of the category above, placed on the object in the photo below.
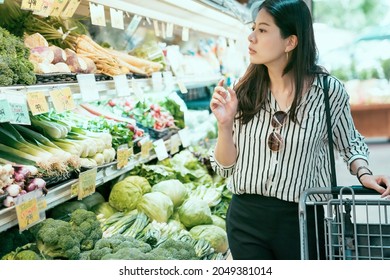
pixel 292 42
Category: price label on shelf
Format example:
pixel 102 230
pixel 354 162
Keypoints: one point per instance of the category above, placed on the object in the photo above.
pixel 160 149
pixel 30 209
pixel 133 25
pixel 122 155
pixel 145 149
pixel 5 111
pixel 185 34
pixel 74 189
pixel 122 85
pixel 46 8
pixel 169 32
pixel 117 19
pixel 62 100
pixel 175 143
pixel 33 5
pixel 19 109
pixel 185 137
pixel 37 103
pixel 97 14
pixel 58 7
pixel 182 87
pixel 156 28
pixel 71 8
pixel 88 87
pixel 138 92
pixel 87 183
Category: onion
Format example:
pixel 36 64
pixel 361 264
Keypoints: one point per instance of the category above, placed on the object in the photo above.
pixel 22 173
pixel 36 183
pixel 13 190
pixel 9 201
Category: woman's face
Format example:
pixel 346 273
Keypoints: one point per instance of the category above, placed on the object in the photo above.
pixel 266 45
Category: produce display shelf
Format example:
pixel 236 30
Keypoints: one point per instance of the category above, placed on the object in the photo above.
pixel 62 192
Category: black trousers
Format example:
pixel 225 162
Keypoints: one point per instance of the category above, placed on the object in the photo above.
pixel 267 228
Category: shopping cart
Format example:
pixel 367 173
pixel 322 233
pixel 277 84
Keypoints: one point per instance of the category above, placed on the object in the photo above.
pixel 356 224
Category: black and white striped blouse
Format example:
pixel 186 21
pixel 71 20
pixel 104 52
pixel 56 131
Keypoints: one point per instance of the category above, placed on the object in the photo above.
pixel 304 161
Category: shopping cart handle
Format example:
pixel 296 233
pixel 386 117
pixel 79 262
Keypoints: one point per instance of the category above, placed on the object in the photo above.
pixel 357 189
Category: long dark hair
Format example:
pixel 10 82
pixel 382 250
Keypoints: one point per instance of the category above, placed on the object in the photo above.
pixel 293 18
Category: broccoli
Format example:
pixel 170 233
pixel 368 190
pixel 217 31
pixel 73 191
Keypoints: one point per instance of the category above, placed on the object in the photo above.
pixel 26 252
pixel 173 249
pixel 56 239
pixel 7 76
pixel 14 61
pixel 27 255
pixel 13 238
pixel 87 227
pixel 116 246
pixel 126 253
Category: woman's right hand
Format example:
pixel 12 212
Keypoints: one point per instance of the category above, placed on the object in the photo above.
pixel 224 104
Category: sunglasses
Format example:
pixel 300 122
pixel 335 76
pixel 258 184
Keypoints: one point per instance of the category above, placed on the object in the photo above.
pixel 275 140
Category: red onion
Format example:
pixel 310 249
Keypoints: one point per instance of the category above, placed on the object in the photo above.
pixel 13 190
pixel 36 183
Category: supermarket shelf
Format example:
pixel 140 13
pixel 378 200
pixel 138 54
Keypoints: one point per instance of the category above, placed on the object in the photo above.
pixel 62 192
pixel 107 88
pixel 195 15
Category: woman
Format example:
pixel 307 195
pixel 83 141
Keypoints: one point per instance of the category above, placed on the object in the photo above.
pixel 272 135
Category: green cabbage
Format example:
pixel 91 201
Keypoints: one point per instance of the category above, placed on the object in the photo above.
pixel 173 188
pixel 157 206
pixel 219 222
pixel 213 234
pixel 142 182
pixel 125 195
pixel 195 211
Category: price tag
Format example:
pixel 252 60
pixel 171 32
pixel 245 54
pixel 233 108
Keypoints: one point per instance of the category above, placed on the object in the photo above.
pixel 117 18
pixel 185 35
pixel 175 143
pixel 27 209
pixel 160 149
pixel 145 149
pixel 5 111
pixel 71 8
pixel 87 183
pixel 185 137
pixel 37 103
pixel 19 109
pixel 33 5
pixel 46 8
pixel 122 85
pixel 58 7
pixel 74 189
pixel 169 32
pixel 182 87
pixel 163 30
pixel 138 92
pixel 62 100
pixel 132 27
pixel 88 87
pixel 122 156
pixel 156 28
pixel 97 14
pixel 42 203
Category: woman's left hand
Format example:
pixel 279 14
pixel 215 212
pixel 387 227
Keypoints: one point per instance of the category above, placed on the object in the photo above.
pixel 379 183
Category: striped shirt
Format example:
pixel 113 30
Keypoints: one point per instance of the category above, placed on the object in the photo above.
pixel 304 162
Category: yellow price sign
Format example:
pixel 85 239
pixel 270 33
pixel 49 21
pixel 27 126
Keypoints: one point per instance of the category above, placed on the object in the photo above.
pixel 74 189
pixel 57 8
pixel 33 5
pixel 122 156
pixel 27 213
pixel 62 100
pixel 37 103
pixel 145 149
pixel 87 183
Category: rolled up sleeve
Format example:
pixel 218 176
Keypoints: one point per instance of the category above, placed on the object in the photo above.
pixel 221 170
